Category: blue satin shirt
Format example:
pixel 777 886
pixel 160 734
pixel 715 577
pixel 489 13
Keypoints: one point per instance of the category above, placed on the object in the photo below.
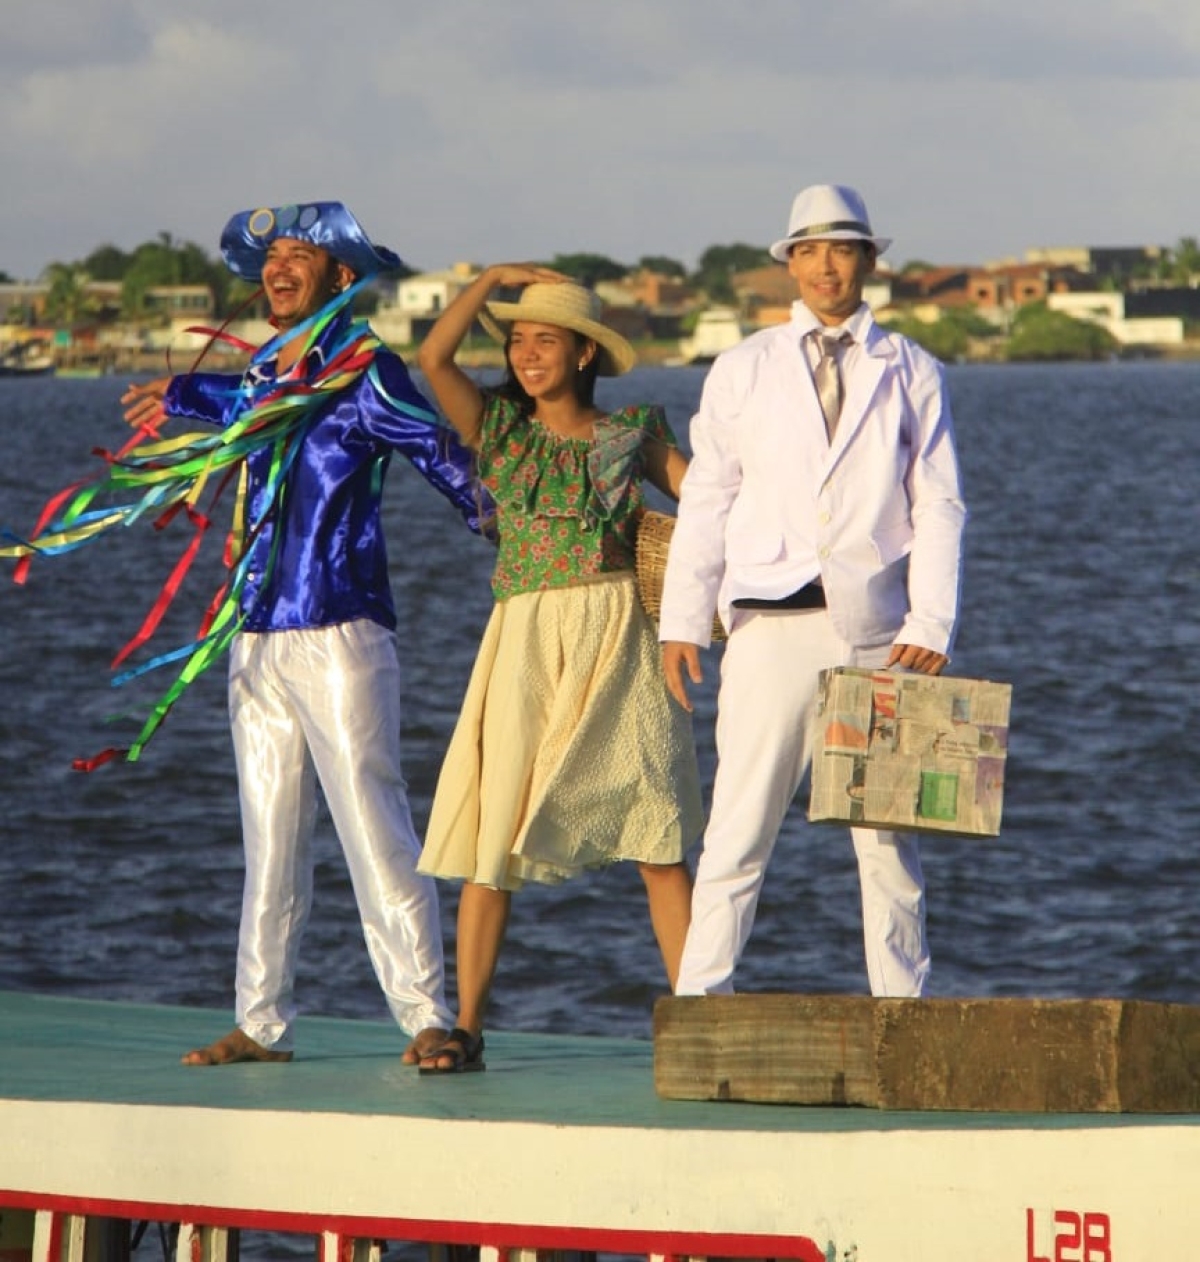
pixel 331 564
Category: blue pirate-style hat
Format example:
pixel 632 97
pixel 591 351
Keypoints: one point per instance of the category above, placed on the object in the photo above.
pixel 329 225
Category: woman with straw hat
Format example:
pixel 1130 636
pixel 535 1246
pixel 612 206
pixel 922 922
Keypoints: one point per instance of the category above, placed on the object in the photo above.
pixel 569 753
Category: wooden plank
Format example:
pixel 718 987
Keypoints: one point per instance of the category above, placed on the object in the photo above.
pixel 771 1049
pixel 982 1055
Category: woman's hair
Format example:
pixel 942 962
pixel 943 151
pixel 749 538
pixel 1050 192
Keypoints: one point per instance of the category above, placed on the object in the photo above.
pixel 585 379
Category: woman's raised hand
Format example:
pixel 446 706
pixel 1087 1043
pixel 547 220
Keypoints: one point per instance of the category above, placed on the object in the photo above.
pixel 512 274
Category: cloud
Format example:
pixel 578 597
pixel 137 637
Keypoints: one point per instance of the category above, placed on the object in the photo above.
pixel 473 130
pixel 47 36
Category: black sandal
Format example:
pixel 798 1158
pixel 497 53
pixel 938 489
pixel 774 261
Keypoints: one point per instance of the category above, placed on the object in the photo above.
pixel 463 1049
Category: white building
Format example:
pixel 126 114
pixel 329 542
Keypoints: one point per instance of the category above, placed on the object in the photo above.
pixel 1108 310
pixel 421 297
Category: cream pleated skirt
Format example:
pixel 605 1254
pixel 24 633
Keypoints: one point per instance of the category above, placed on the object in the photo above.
pixel 569 753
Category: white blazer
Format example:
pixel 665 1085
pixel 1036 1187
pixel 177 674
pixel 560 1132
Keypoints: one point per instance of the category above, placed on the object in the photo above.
pixel 768 504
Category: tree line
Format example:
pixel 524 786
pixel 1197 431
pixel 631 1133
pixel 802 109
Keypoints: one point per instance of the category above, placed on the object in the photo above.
pixel 166 261
pixel 1035 332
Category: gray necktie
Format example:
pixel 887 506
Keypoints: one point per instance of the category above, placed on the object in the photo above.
pixel 828 376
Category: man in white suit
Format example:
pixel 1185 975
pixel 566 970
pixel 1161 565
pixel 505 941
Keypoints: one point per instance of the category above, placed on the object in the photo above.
pixel 823 536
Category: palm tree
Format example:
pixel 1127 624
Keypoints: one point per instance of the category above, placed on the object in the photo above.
pixel 68 302
pixel 1185 260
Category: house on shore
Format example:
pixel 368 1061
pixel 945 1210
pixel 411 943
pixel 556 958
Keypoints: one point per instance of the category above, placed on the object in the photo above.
pixel 409 307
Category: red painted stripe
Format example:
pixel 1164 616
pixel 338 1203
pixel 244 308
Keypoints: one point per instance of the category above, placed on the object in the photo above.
pixel 501 1236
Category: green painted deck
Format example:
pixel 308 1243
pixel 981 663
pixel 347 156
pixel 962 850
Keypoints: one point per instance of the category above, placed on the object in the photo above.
pixel 56 1049
pixel 562 1143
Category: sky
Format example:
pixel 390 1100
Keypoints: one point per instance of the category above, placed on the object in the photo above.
pixel 500 130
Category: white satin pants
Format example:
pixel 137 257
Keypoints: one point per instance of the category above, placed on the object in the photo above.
pixel 765 710
pixel 323 706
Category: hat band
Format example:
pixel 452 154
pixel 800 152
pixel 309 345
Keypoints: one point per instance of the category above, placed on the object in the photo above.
pixel 836 225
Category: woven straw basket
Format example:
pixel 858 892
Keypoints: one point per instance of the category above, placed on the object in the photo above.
pixel 653 540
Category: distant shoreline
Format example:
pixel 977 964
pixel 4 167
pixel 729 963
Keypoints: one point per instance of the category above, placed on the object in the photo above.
pixel 650 354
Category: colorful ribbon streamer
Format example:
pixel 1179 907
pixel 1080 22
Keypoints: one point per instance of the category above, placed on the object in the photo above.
pixel 155 478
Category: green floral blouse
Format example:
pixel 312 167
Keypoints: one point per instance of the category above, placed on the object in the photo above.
pixel 567 508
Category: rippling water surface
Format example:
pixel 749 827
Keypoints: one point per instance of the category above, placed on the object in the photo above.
pixel 1081 591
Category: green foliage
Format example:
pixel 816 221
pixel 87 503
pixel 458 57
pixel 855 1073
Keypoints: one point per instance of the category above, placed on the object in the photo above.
pixel 106 262
pixel 67 300
pixel 160 262
pixel 661 265
pixel 165 261
pixel 949 337
pixel 1041 334
pixel 589 269
pixel 5 278
pixel 944 338
pixel 720 263
pixel 1184 261
pixel 168 262
pixel 972 323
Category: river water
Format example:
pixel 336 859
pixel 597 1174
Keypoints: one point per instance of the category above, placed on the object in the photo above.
pixel 1081 587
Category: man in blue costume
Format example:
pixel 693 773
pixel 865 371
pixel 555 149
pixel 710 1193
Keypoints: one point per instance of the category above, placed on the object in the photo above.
pixel 314 682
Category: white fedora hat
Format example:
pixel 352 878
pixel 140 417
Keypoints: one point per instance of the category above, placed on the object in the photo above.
pixel 828 212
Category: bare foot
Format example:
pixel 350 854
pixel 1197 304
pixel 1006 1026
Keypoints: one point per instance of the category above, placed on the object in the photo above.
pixel 231 1050
pixel 425 1043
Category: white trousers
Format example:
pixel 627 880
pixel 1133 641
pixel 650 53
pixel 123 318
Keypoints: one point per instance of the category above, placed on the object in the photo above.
pixel 765 711
pixel 324 705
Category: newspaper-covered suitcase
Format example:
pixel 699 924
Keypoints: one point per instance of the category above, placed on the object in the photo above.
pixel 910 752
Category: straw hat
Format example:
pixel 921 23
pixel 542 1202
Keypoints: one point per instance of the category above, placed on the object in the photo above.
pixel 569 306
pixel 828 212
pixel 653 543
